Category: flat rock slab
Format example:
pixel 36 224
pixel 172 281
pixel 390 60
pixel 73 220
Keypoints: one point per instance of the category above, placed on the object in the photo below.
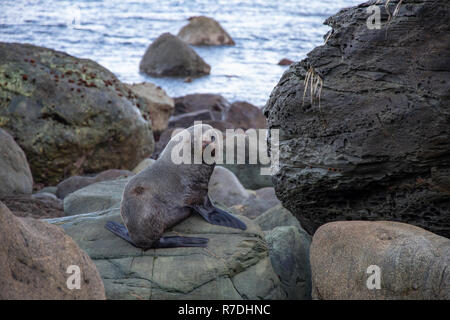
pixel 235 265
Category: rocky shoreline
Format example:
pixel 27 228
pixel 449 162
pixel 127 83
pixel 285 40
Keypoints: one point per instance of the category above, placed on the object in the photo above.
pixel 363 180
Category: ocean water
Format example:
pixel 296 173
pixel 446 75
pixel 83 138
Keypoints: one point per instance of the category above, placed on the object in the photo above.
pixel 116 33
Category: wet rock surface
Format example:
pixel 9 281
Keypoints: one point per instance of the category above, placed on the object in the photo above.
pixel 369 148
pixel 170 56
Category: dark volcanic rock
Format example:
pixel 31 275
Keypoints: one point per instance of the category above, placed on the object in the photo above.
pixel 378 145
pixel 69 115
pixel 170 56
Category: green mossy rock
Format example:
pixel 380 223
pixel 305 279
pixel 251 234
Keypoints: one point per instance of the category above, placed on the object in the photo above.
pixel 70 116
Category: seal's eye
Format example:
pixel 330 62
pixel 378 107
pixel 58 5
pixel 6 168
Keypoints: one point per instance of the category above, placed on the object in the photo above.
pixel 213 138
pixel 138 190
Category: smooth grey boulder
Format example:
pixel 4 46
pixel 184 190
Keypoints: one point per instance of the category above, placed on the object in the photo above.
pixel 15 174
pixel 35 258
pixel 170 56
pixel 289 254
pixel 277 216
pixel 225 188
pixel 95 197
pixel 235 265
pixel 412 263
pixel 368 149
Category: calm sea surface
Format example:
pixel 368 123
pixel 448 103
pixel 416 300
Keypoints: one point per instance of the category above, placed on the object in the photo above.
pixel 116 33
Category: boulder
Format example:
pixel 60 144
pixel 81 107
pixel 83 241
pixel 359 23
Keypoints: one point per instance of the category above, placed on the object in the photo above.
pixel 257 203
pixel 15 174
pixel 35 257
pixel 235 265
pixel 249 174
pixel 285 62
pixel 158 105
pixel 70 116
pixel 246 116
pixel 225 188
pixel 75 183
pixel 204 31
pixel 95 197
pixel 368 149
pixel 277 216
pixel 37 206
pixel 289 254
pixel 215 103
pixel 170 56
pixel 187 120
pixel 412 262
pixel 164 139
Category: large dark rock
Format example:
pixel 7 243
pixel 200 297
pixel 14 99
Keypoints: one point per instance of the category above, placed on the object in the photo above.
pixel 69 115
pixel 377 147
pixel 170 56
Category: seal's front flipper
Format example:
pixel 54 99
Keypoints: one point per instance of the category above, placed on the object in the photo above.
pixel 218 216
pixel 120 231
pixel 174 242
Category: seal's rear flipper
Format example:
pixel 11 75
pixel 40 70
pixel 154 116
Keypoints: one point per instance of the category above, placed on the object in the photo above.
pixel 218 216
pixel 164 242
pixel 119 230
pixel 173 242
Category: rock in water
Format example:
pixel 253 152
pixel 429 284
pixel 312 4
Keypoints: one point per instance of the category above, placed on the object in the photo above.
pixel 159 106
pixel 15 174
pixel 69 115
pixel 169 56
pixel 369 149
pixel 413 263
pixel 34 261
pixel 203 30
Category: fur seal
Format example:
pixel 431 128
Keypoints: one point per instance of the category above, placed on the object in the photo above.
pixel 166 193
